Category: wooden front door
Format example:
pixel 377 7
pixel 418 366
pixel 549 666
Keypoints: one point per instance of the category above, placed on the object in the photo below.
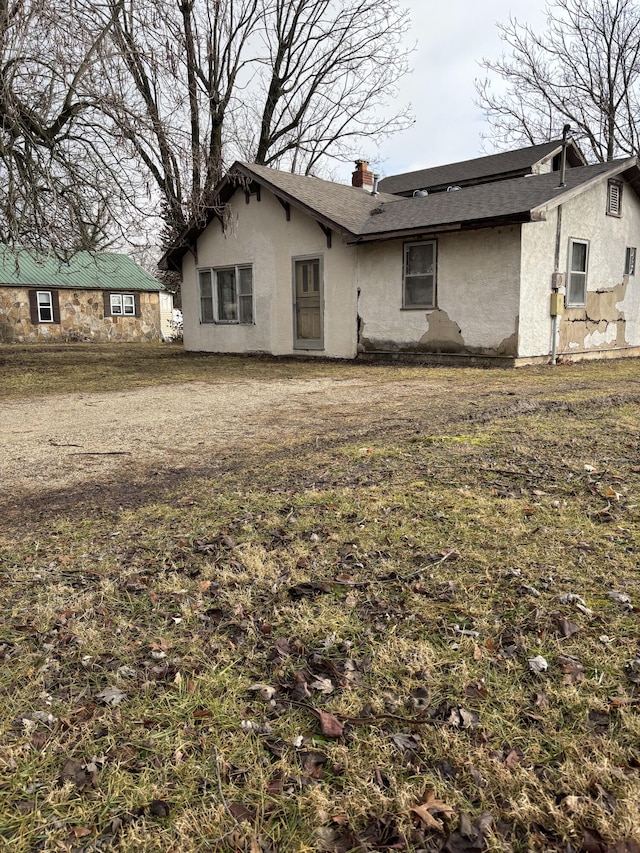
pixel 307 309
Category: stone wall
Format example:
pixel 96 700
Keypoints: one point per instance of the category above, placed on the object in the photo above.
pixel 81 319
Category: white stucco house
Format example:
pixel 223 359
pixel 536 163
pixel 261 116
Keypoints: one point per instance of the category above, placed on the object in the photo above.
pixel 511 258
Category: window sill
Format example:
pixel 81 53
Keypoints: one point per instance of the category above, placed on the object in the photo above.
pixel 419 308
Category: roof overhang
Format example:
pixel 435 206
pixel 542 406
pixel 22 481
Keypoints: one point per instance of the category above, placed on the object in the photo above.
pixel 443 228
pixel 628 168
pixel 239 176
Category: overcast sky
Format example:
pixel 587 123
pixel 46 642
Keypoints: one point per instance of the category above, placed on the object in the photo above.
pixel 452 37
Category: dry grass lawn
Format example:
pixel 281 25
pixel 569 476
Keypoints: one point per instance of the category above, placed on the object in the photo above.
pixel 405 619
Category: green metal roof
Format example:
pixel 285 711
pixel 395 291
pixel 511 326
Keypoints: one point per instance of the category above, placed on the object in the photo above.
pixel 83 271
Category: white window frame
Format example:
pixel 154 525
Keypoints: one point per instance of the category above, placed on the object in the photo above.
pixel 614 198
pixel 406 276
pixel 571 272
pixel 122 304
pixel 242 305
pixel 45 303
pixel 630 260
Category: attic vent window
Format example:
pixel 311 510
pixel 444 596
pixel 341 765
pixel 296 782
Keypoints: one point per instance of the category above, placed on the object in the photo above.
pixel 614 198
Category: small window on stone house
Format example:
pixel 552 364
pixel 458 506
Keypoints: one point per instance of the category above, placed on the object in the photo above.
pixel 44 306
pixel 614 198
pixel 121 304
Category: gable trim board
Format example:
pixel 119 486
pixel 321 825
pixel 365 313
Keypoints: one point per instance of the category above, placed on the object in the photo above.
pixel 496 246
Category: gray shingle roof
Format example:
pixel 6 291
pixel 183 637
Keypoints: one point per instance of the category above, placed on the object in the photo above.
pixel 343 206
pixel 506 163
pixel 514 199
pixel 361 216
pixel 83 271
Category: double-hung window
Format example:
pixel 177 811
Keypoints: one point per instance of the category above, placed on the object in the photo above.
pixel 419 288
pixel 226 295
pixel 118 304
pixel 577 273
pixel 630 261
pixel 123 304
pixel 44 306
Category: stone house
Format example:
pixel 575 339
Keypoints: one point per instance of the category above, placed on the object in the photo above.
pixel 90 297
pixel 514 258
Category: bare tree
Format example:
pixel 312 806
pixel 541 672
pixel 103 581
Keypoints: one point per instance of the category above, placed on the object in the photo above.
pixel 179 67
pixel 282 82
pixel 584 70
pixel 331 68
pixel 60 187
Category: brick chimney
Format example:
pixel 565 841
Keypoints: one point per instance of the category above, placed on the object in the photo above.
pixel 362 177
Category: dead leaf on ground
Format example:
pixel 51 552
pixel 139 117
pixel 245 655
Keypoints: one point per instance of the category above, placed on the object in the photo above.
pixel 599 721
pixel 313 763
pixel 241 812
pixel 112 696
pixel 159 808
pixel 406 742
pixel 626 845
pixel 469 836
pixel 460 717
pixel 330 726
pixel 75 771
pixel 572 669
pixel 323 685
pixel 566 628
pixel 382 834
pixel 80 831
pixel 429 806
pixel 513 758
pixel 310 589
pixel 476 690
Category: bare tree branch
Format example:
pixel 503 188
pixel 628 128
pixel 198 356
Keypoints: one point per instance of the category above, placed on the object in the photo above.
pixel 583 70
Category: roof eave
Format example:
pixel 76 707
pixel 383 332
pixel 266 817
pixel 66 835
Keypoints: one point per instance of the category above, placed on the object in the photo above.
pixel 172 258
pixel 445 228
pixel 296 202
pixel 566 195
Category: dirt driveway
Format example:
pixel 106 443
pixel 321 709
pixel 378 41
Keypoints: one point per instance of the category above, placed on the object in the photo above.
pixel 64 441
pixel 69 447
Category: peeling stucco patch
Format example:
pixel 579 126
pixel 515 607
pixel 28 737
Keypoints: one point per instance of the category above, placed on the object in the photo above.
pixel 600 324
pixel 509 346
pixel 443 335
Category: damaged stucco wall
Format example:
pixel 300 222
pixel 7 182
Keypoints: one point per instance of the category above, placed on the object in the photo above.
pixel 611 317
pixel 260 235
pixel 477 296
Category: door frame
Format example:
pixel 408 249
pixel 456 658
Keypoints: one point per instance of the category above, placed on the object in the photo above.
pixel 314 343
